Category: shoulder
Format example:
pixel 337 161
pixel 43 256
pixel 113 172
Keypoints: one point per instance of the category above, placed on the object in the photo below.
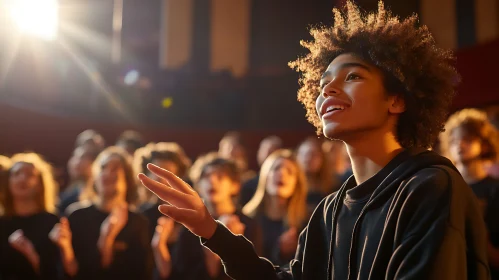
pixel 49 218
pixel 436 185
pixel 431 179
pixel 78 207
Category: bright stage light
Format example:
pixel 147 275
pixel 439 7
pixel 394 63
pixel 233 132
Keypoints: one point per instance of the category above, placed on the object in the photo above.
pixel 35 17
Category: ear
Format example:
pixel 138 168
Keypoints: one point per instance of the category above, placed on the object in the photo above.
pixel 397 105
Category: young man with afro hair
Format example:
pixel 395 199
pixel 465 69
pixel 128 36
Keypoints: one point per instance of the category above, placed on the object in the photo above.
pixel 383 87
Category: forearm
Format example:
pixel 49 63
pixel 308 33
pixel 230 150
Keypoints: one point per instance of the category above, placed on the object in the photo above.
pixel 239 256
pixel 69 261
pixel 34 260
pixel 105 245
pixel 162 258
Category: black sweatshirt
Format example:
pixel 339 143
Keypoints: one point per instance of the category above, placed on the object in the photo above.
pixel 132 256
pixel 13 265
pixel 421 221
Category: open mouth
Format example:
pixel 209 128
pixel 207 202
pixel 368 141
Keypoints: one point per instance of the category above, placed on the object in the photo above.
pixel 334 108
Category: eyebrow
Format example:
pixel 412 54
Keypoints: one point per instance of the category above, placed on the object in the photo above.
pixel 347 65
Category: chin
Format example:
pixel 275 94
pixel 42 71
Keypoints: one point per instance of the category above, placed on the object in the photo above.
pixel 333 132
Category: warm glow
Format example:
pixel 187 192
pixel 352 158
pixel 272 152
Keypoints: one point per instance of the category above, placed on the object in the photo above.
pixel 35 17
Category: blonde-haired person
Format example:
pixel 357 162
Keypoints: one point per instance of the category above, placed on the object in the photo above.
pixel 28 197
pixel 105 238
pixel 279 205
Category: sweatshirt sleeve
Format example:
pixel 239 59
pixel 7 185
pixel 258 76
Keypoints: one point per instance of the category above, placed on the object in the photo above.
pixel 430 241
pixel 240 259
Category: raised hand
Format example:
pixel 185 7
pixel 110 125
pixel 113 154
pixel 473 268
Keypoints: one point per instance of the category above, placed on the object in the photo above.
pixel 61 234
pixel 22 244
pixel 115 222
pixel 233 223
pixel 184 204
pixel 163 230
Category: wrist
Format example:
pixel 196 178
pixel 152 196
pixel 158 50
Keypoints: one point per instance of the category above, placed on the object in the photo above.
pixel 210 229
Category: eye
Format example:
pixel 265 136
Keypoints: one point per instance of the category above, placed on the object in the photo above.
pixel 323 84
pixel 352 76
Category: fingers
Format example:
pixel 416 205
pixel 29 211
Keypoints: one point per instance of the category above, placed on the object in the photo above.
pixel 164 192
pixel 180 215
pixel 64 222
pixel 171 178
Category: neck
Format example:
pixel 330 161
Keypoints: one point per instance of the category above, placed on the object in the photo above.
pixel 25 207
pixel 472 171
pixel 106 205
pixel 276 207
pixel 367 160
pixel 220 209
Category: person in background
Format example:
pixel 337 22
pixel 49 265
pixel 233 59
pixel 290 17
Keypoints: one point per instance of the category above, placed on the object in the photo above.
pixel 5 164
pixel 232 147
pixel 267 146
pixel 279 205
pixel 80 172
pixel 472 144
pixel 313 162
pixel 28 198
pixel 130 141
pixel 493 116
pixel 91 139
pixel 219 184
pixel 337 162
pixel 106 239
pixel 171 157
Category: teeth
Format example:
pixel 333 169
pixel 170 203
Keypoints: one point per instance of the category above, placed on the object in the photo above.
pixel 334 107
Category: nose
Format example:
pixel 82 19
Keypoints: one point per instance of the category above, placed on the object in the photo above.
pixel 330 90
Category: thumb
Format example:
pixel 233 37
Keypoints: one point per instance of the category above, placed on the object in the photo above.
pixel 182 216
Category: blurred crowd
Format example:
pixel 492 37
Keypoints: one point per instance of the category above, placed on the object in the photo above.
pixel 103 224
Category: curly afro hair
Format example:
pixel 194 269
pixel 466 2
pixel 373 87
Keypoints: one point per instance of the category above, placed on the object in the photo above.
pixel 412 65
pixel 475 124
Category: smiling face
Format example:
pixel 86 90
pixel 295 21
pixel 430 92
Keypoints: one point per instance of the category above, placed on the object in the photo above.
pixel 354 101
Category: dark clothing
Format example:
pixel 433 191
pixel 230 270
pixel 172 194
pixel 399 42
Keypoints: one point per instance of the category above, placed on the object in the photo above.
pixel 36 228
pixel 421 222
pixel 132 256
pixel 487 191
pixel 271 232
pixel 248 190
pixel 188 261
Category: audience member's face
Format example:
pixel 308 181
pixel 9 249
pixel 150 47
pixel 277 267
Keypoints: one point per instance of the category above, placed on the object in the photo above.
pixel 24 181
pixel 282 178
pixel 309 156
pixel 165 164
pixel 110 181
pixel 462 147
pixel 80 164
pixel 215 186
pixel 231 150
pixel 266 148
